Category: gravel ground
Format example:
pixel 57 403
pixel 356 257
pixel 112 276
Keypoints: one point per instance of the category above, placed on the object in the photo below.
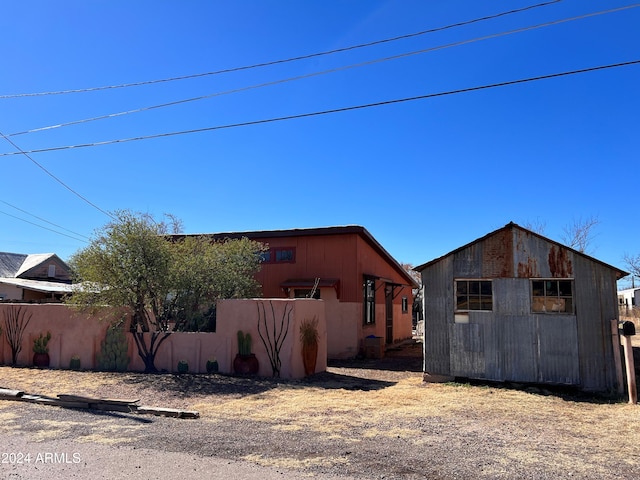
pixel 110 445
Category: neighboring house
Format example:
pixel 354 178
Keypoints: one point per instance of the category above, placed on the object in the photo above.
pixel 628 300
pixel 35 277
pixel 516 306
pixel 366 292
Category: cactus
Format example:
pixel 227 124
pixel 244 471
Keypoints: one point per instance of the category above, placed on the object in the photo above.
pixel 113 350
pixel 40 343
pixel 183 366
pixel 244 343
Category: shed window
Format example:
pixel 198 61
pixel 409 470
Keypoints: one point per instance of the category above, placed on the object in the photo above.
pixel 405 305
pixel 552 296
pixel 474 295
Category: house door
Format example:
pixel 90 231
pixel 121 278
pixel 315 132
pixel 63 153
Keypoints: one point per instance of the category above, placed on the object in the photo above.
pixel 388 301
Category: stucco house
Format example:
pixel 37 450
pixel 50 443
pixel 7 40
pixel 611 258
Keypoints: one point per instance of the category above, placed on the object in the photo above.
pixel 33 277
pixel 517 306
pixel 366 291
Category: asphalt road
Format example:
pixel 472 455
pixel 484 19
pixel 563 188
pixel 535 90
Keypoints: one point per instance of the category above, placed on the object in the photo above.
pixel 21 458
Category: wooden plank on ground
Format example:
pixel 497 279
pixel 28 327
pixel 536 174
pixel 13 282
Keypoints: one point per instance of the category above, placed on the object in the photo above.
pixel 168 412
pixel 110 401
pixel 5 392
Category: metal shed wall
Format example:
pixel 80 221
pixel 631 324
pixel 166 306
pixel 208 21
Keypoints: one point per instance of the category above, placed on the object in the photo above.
pixel 511 343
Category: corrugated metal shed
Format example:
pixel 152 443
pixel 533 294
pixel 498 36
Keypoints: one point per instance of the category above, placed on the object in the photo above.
pixel 515 341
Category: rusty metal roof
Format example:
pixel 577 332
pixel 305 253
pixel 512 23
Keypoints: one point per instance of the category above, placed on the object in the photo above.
pixel 511 226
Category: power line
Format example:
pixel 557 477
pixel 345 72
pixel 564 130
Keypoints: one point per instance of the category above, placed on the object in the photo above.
pixel 324 72
pixel 287 60
pixel 336 110
pixel 41 226
pixel 44 220
pixel 41 167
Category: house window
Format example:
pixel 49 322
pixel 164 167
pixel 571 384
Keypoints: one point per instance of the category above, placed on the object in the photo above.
pixel 306 293
pixel 474 295
pixel 279 255
pixel 552 296
pixel 369 301
pixel 52 271
pixel 405 304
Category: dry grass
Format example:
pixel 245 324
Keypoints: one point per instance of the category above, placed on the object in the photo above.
pixel 507 427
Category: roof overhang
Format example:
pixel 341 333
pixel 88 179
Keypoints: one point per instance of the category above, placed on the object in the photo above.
pixel 39 286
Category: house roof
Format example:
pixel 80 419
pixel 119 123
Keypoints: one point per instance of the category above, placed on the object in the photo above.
pixel 319 231
pixel 511 226
pixel 39 285
pixel 17 265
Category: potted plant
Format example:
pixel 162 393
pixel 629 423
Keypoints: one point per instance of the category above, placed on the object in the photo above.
pixel 183 366
pixel 41 350
pixel 245 362
pixel 212 365
pixel 74 363
pixel 309 338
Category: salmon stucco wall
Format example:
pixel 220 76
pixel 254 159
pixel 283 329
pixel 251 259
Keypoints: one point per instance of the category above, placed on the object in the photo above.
pixel 75 334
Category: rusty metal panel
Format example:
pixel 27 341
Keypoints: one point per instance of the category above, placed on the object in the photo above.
pixel 535 257
pixel 558 360
pixel 438 315
pixel 497 255
pixel 467 350
pixel 516 341
pixel 595 299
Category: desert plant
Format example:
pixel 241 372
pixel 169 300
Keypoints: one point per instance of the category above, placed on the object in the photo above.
pixel 244 343
pixel 40 344
pixel 16 320
pixel 113 350
pixel 183 366
pixel 274 336
pixel 74 363
pixel 309 331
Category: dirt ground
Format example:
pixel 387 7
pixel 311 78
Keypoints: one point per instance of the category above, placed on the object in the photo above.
pixel 362 418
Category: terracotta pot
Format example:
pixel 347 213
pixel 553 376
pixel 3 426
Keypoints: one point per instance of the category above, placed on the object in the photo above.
pixel 309 357
pixel 41 359
pixel 246 364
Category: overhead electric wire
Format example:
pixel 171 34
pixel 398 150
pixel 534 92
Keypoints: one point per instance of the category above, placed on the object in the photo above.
pixel 324 72
pixel 41 167
pixel 331 111
pixel 287 60
pixel 44 220
pixel 41 226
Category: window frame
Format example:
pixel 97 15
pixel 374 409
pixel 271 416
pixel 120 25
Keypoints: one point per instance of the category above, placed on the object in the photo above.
pixel 551 296
pixel 274 255
pixel 481 297
pixel 369 301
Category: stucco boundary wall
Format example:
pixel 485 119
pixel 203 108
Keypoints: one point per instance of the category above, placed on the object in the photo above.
pixel 74 333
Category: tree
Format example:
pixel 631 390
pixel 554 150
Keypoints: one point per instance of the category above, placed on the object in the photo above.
pixel 632 263
pixel 580 233
pixel 577 235
pixel 164 281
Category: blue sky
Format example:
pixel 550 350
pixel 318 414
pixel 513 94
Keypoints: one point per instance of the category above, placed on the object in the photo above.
pixel 424 176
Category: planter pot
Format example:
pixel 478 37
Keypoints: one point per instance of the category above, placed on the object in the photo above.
pixel 309 358
pixel 246 364
pixel 74 364
pixel 183 367
pixel 41 360
pixel 212 366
